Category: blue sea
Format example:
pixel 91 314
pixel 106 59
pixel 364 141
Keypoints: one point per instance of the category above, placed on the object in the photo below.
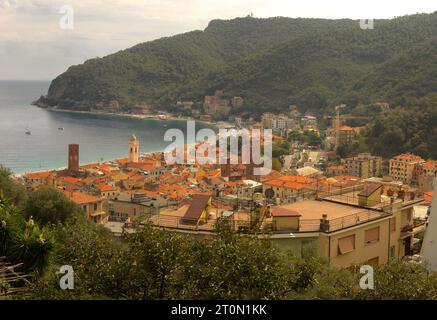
pixel 99 136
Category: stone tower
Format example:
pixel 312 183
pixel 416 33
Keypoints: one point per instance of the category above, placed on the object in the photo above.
pixel 134 149
pixel 73 158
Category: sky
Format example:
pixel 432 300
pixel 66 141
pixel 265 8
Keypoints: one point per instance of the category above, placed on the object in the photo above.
pixel 33 46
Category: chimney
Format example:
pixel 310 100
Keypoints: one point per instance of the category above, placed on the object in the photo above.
pixel 73 158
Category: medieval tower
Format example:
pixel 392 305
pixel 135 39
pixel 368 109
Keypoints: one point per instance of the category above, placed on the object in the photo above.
pixel 134 149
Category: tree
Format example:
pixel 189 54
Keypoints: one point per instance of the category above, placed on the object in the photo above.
pixel 49 205
pixel 23 241
pixel 10 189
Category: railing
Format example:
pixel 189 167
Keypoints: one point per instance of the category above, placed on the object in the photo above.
pixel 354 219
pixel 177 222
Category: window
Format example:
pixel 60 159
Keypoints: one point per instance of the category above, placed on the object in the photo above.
pixel 84 208
pixel 393 224
pixel 373 262
pixel 372 235
pixel 346 244
pixel 392 251
pixel 95 206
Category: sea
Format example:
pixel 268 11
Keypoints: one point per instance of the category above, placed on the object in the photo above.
pixel 100 137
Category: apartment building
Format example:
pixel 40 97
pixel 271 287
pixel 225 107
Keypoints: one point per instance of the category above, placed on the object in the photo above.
pixel 427 174
pixel 93 206
pixel 347 233
pixel 406 168
pixel 346 135
pixel 364 166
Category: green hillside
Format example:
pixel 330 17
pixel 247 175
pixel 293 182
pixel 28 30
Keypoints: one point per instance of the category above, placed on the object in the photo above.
pixel 272 63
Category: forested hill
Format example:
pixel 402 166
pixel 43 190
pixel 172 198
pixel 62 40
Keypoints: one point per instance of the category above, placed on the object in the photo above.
pixel 272 63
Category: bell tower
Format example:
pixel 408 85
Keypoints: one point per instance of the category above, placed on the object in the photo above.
pixel 134 149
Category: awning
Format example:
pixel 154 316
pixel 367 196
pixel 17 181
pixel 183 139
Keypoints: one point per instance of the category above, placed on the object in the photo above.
pixel 346 244
pixel 372 235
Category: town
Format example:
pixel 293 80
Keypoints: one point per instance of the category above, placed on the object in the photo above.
pixel 360 209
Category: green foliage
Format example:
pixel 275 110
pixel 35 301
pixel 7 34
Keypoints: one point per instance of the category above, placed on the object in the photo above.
pixel 401 281
pixel 23 242
pixel 411 129
pixel 272 63
pixel 31 246
pixel 281 148
pixel 10 189
pixel 49 205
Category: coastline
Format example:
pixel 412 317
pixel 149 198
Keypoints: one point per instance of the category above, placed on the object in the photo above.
pixel 156 117
pixel 121 115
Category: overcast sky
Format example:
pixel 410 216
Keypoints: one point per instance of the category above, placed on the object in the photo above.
pixel 34 47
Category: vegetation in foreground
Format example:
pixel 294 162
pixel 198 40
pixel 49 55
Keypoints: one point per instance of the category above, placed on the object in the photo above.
pixel 155 264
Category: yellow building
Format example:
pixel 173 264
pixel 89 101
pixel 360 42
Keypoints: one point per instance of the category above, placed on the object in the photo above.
pixel 406 168
pixel 364 166
pixel 130 206
pixel 94 207
pixel 427 174
pixel 346 135
pixel 346 234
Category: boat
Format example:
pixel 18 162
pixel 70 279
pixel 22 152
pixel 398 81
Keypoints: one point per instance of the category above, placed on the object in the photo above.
pixel 28 132
pixel 61 129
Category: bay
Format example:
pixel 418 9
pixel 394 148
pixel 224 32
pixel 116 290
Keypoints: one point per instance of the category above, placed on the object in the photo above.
pixel 99 136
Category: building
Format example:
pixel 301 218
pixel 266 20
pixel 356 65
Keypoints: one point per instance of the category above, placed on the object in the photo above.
pixel 405 168
pixel 36 180
pixel 198 211
pixel 429 246
pixel 274 121
pixel 134 150
pixel 73 158
pixel 346 135
pixel 107 191
pixel 130 206
pixel 289 188
pixel 237 102
pixel 346 234
pixel 364 166
pixel 336 170
pixel 93 206
pixel 216 104
pixel 427 174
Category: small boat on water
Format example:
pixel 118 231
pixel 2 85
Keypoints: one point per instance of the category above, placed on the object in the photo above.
pixel 61 129
pixel 28 132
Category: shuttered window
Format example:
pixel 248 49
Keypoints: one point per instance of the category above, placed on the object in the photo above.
pixel 346 244
pixel 372 235
pixel 393 224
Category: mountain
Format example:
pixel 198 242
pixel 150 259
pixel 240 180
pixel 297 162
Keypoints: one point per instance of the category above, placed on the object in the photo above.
pixel 271 63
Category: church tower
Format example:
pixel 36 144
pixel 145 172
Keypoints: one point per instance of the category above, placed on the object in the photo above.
pixel 134 149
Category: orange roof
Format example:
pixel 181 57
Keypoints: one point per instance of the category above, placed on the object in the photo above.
pixel 82 198
pixel 408 157
pixel 106 187
pixel 338 168
pixel 71 179
pixel 292 182
pixel 430 165
pixel 346 128
pixel 428 197
pixel 283 212
pixel 38 175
